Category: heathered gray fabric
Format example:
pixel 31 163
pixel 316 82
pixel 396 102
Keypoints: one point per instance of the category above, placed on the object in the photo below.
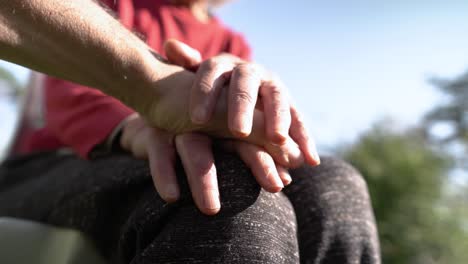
pixel 334 216
pixel 323 217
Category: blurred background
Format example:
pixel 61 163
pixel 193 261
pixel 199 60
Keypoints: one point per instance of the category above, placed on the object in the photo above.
pixel 383 84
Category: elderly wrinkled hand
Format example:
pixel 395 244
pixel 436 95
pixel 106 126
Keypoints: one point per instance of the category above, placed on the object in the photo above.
pixel 227 115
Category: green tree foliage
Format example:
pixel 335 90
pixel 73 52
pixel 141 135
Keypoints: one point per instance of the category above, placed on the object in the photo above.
pixel 453 210
pixel 407 179
pixel 453 113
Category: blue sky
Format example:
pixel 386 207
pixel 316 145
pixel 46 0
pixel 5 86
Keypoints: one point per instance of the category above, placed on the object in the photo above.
pixel 348 63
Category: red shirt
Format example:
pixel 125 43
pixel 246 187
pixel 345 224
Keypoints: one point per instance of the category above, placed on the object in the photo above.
pixel 82 117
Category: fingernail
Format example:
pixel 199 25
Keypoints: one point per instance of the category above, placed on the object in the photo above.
pixel 243 127
pixel 277 182
pixel 172 191
pixel 280 184
pixel 199 115
pixel 242 131
pixel 314 153
pixel 280 137
pixel 285 156
pixel 287 178
pixel 240 134
pixel 211 200
pixel 194 54
pixel 283 136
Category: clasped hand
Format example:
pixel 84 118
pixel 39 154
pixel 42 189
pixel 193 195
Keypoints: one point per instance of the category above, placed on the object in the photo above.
pixel 228 98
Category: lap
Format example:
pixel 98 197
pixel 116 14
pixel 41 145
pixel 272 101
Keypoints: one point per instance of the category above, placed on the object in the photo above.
pixel 113 200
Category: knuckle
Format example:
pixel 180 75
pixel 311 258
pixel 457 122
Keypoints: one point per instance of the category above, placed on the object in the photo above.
pixel 198 140
pixel 276 95
pixel 243 97
pixel 301 135
pixel 276 90
pixel 270 173
pixel 201 163
pixel 301 122
pixel 210 64
pixel 281 112
pixel 274 84
pixel 248 70
pixel 181 141
pixel 299 117
pixel 204 86
pixel 263 158
pixel 206 177
pixel 230 58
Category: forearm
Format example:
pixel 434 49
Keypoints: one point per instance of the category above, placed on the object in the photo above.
pixel 78 41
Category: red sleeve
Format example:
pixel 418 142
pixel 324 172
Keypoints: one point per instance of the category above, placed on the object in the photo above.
pixel 239 47
pixel 79 116
pixel 123 8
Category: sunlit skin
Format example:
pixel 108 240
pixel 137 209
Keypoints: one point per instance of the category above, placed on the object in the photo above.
pixel 202 172
pixel 157 145
pixel 42 34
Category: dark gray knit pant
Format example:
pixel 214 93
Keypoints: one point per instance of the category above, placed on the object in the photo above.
pixel 325 216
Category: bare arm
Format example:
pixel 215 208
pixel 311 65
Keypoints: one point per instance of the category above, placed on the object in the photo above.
pixel 78 41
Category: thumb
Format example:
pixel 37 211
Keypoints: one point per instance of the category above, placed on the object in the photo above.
pixel 182 54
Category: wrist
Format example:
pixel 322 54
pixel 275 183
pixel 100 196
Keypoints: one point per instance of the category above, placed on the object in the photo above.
pixel 145 79
pixel 132 76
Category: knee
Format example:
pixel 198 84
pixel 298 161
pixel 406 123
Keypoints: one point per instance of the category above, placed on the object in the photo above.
pixel 335 187
pixel 333 200
pixel 331 173
pixel 238 187
pixel 252 226
pixel 239 190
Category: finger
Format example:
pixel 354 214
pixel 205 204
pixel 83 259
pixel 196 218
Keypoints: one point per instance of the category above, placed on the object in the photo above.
pixel 287 154
pixel 242 97
pixel 161 158
pixel 277 112
pixel 262 166
pixel 133 126
pixel 299 134
pixel 197 158
pixel 233 145
pixel 139 144
pixel 284 175
pixel 210 79
pixel 181 54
